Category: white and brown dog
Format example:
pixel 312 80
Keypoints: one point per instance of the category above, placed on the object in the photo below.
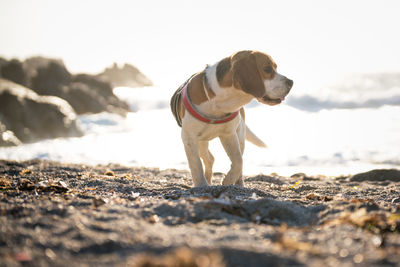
pixel 210 104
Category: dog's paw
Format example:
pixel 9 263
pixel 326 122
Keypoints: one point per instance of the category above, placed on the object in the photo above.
pixel 200 183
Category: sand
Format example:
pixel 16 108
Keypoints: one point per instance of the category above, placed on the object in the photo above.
pixel 54 214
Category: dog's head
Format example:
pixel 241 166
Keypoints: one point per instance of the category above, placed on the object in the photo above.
pixel 255 73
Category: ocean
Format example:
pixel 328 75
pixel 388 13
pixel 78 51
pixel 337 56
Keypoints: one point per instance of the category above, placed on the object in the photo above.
pixel 349 126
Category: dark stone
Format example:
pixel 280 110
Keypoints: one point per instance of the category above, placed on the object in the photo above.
pixel 103 88
pixel 32 117
pixel 2 63
pixel 33 64
pixel 85 93
pixel 83 99
pixel 51 79
pixel 378 176
pixel 13 71
pixel 94 95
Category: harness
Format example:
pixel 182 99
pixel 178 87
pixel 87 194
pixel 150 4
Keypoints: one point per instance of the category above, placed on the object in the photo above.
pixel 181 94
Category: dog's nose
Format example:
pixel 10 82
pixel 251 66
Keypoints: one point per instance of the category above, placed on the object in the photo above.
pixel 289 83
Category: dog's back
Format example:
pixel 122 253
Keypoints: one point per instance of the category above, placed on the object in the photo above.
pixel 175 104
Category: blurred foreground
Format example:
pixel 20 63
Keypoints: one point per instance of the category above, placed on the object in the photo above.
pixel 55 214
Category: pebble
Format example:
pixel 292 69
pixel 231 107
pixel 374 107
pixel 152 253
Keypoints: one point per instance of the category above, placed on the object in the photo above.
pixel 50 254
pixel 396 200
pixel 377 241
pixel 358 258
pixel 343 253
pixel 154 218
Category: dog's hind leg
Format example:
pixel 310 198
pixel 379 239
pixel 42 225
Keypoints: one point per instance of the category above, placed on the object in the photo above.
pixel 207 158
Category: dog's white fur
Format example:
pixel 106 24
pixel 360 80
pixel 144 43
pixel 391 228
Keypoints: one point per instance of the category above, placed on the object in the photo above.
pixel 197 134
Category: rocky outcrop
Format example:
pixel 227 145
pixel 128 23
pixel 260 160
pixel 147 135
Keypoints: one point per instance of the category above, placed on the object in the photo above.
pixel 30 117
pixel 126 76
pixel 87 88
pixel 32 64
pixel 49 108
pixel 50 79
pixel 2 63
pixel 85 93
pixel 13 70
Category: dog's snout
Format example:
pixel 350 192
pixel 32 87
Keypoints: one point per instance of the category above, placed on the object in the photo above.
pixel 289 83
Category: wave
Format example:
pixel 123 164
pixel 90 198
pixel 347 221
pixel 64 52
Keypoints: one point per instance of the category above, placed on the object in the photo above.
pixel 313 104
pixel 351 92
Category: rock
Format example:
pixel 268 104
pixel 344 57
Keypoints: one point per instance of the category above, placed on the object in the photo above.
pixel 32 117
pixel 32 64
pixel 2 62
pixel 83 99
pixel 7 137
pixel 101 94
pixel 50 79
pixel 377 175
pixel 13 70
pixel 85 93
pixel 126 76
pixel 103 88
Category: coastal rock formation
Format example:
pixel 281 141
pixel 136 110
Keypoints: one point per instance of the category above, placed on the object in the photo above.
pixel 85 93
pixel 2 62
pixel 32 64
pixel 30 117
pixel 126 76
pixel 95 95
pixel 13 70
pixel 39 97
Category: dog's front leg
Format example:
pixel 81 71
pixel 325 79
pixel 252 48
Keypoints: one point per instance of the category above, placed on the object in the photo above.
pixel 232 148
pixel 192 153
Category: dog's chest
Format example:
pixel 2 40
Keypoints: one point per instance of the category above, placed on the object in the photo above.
pixel 205 132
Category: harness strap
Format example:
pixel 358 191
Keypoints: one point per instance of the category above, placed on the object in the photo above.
pixel 195 113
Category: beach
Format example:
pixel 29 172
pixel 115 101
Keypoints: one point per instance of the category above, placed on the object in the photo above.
pixel 59 214
pixel 93 170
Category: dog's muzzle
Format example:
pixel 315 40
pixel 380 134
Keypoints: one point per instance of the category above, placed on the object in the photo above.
pixel 277 100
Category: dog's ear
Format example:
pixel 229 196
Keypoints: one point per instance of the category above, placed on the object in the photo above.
pixel 245 74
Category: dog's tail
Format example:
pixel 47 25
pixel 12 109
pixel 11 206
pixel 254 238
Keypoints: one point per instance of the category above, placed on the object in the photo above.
pixel 252 138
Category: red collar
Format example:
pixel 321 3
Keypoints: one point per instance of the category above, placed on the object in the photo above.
pixel 195 113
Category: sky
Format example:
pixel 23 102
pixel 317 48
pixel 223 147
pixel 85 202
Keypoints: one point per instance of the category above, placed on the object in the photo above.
pixel 169 40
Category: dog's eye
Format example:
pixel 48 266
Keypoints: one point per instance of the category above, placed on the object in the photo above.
pixel 268 69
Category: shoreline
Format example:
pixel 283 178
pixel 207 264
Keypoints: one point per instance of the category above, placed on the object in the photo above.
pixel 327 170
pixel 58 214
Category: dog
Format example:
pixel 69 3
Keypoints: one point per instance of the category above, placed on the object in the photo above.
pixel 210 105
